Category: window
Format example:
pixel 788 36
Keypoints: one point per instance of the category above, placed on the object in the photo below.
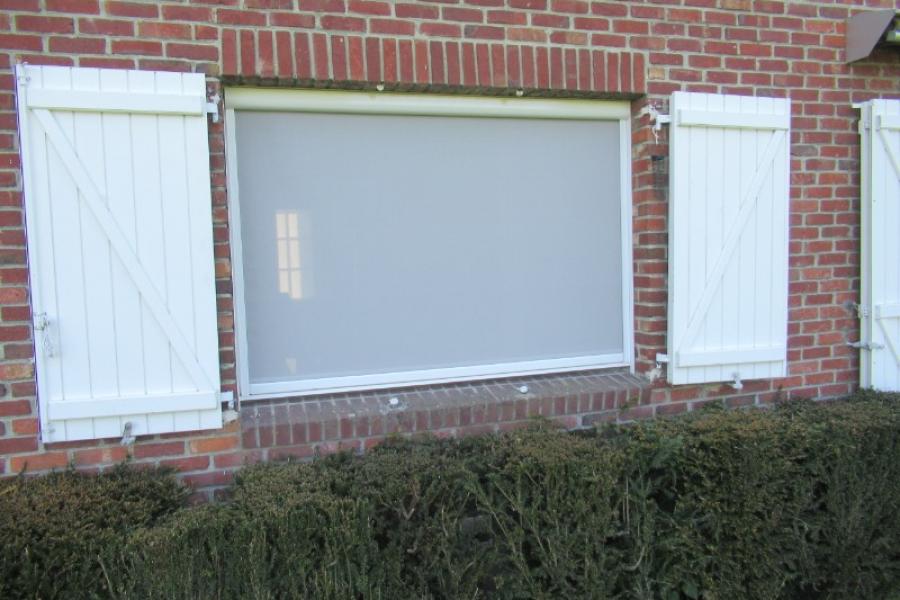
pixel 394 239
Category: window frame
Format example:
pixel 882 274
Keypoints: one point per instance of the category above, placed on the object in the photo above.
pixel 410 104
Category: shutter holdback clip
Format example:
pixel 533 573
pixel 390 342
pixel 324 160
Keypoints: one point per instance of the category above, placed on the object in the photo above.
pixel 657 118
pixel 212 107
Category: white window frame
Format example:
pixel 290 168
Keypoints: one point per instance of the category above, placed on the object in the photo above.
pixel 358 102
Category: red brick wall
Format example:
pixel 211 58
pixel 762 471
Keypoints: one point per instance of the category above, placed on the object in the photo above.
pixel 641 50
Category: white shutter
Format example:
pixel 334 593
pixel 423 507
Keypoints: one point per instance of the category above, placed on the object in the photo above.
pixel 728 236
pixel 119 228
pixel 880 307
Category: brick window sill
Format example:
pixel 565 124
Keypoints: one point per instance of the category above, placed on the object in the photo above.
pixel 303 427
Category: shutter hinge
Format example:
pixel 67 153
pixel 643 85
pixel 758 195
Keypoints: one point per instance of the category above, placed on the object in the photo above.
pixel 21 77
pixel 862 311
pixel 658 119
pixel 42 324
pixel 866 345
pixel 227 398
pixel 212 107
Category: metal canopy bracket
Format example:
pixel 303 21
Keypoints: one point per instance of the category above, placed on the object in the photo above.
pixel 866 29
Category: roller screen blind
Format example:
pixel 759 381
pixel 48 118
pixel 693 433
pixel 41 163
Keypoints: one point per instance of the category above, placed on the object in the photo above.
pixel 378 244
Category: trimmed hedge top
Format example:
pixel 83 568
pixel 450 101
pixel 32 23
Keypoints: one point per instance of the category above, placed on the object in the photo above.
pixel 802 501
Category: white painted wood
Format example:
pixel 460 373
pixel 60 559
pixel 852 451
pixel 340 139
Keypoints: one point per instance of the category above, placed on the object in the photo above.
pixel 728 233
pixel 127 405
pixel 425 105
pixel 434 376
pixel 880 303
pixel 241 349
pixel 730 120
pixel 887 311
pixel 113 102
pixel 888 121
pixel 119 222
pixel 725 357
pixel 333 101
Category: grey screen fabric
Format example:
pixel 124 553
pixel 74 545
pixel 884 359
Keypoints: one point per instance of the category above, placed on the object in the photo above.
pixel 380 244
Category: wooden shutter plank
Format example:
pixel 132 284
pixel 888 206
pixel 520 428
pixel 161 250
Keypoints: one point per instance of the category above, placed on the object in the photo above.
pixel 734 144
pixel 730 120
pixel 750 354
pixel 134 405
pixel 175 224
pixel 119 179
pixel 889 150
pixel 94 200
pixel 157 353
pixel 889 122
pixel 887 311
pixel 199 189
pixel 113 102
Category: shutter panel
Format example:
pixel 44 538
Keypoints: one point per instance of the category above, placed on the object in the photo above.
pixel 880 314
pixel 728 224
pixel 119 228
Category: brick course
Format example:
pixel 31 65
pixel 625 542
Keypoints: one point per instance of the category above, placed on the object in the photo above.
pixel 638 50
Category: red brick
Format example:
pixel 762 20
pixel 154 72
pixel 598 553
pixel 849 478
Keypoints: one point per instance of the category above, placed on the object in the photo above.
pixel 569 6
pixel 284 53
pixel 157 449
pixel 216 444
pixel 322 5
pixel 73 6
pixel 18 444
pixel 165 30
pixel 507 17
pixel 96 456
pixel 191 463
pixel 229 52
pixel 391 27
pixel 240 17
pixel 302 56
pixel 373 59
pixel 21 42
pixel 369 7
pixel 39 462
pixel 14 408
pixel 105 27
pixel 486 32
pixel 44 24
pixel 440 30
pixel 132 9
pixel 466 15
pixel 332 22
pixel 136 47
pixel 292 20
pixel 416 11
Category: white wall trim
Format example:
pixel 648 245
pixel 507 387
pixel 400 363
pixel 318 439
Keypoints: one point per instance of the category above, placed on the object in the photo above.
pixel 432 376
pixel 385 103
pixel 344 102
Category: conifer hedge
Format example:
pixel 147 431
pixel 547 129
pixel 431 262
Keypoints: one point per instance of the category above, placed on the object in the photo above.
pixel 798 502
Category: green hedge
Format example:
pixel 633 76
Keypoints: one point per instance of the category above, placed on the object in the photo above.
pixel 798 502
pixel 54 529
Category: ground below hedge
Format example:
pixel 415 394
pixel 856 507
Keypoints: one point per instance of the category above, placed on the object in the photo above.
pixel 799 502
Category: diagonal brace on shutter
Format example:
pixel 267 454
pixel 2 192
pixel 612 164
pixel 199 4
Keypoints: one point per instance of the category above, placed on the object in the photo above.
pixel 885 124
pixel 98 206
pixel 888 311
pixel 747 205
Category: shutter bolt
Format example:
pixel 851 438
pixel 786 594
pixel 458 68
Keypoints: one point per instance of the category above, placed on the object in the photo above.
pixel 127 434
